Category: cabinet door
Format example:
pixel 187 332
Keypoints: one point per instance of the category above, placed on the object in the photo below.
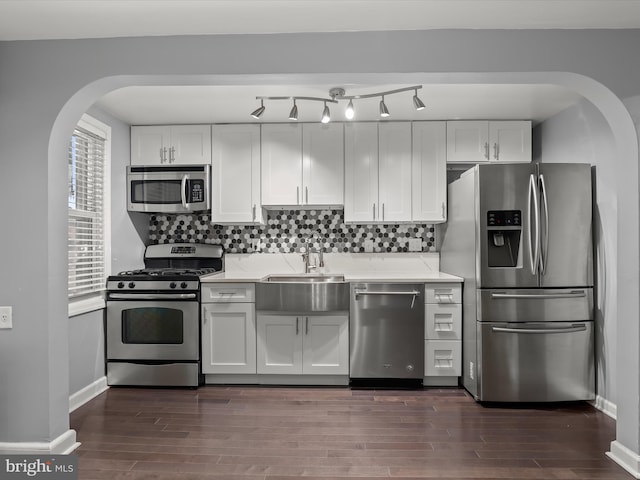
pixel 510 141
pixel 442 358
pixel 190 144
pixel 467 142
pixel 228 338
pixel 281 164
pixel 429 172
pixel 150 145
pixel 326 345
pixel 323 164
pixel 394 141
pixel 279 344
pixel 361 172
pixel 236 174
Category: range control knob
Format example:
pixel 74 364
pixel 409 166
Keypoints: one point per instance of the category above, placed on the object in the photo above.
pixel 132 285
pixel 183 285
pixel 172 285
pixel 120 284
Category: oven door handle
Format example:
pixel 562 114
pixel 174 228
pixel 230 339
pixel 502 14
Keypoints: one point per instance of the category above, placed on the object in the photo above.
pixel 152 296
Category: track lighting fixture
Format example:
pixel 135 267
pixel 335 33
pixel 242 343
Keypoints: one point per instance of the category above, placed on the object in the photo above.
pixel 326 116
pixel 293 114
pixel 337 94
pixel 349 112
pixel 258 111
pixel 384 111
pixel 417 102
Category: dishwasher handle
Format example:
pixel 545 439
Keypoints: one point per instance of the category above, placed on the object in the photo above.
pixel 413 293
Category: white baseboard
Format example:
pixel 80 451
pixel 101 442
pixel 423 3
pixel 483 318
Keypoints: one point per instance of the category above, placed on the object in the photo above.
pixel 63 445
pixel 626 458
pixel 87 393
pixel 606 407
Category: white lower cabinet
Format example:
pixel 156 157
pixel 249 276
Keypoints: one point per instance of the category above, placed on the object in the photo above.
pixel 302 344
pixel 443 334
pixel 228 330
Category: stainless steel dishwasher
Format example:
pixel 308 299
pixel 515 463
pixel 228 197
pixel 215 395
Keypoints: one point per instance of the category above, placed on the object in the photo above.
pixel 386 331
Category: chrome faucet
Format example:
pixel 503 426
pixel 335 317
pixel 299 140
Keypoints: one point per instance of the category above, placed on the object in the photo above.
pixel 306 256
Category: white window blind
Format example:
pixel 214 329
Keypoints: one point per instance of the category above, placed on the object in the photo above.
pixel 87 259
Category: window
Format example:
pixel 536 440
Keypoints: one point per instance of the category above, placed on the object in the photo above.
pixel 88 248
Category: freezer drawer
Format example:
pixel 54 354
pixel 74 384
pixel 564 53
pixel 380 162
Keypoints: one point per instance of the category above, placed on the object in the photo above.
pixel 536 362
pixel 535 305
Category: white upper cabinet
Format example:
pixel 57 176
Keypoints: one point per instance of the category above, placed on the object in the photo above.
pixel 323 163
pixel 235 174
pixel 510 141
pixel 488 141
pixel 171 144
pixel 377 172
pixel 281 164
pixel 302 164
pixel 361 172
pixel 429 172
pixel 394 180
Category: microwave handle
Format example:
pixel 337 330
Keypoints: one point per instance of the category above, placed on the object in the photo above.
pixel 183 190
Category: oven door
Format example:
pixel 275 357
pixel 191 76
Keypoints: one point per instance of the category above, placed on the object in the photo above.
pixel 153 330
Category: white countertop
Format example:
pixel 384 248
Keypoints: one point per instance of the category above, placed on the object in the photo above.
pixel 391 267
pixel 395 277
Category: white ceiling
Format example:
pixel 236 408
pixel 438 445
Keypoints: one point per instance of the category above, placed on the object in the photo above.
pixel 56 19
pixel 151 105
pixel 50 19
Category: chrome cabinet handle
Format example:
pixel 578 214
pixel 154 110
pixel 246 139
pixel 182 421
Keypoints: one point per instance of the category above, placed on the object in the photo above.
pixel 253 213
pixel 496 151
pixel 374 211
pixel 443 210
pixel 415 293
pixel 307 327
pixel 306 194
pixel 486 150
pixel 573 329
pixel 297 326
pixel 172 155
pixel 297 195
pixel 161 157
pixel 383 212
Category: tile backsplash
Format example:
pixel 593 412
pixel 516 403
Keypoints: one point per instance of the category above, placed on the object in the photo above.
pixel 286 231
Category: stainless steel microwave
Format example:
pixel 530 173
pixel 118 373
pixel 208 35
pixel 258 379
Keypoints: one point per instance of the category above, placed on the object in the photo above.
pixel 169 189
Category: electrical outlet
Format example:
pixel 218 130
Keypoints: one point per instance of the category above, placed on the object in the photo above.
pixel 368 245
pixel 415 244
pixel 5 317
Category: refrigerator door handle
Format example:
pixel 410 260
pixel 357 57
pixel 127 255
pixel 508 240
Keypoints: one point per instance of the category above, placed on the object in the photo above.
pixel 533 253
pixel 540 296
pixel 545 243
pixel 573 329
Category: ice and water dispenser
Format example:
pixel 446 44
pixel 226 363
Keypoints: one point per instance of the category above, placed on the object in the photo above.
pixel 504 231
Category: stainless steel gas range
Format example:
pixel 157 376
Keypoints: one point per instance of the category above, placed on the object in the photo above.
pixel 153 316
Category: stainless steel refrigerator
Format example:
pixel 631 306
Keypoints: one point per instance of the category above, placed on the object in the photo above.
pixel 521 236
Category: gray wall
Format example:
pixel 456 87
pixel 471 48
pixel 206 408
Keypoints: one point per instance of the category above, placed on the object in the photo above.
pixel 582 135
pixel 45 85
pixel 86 332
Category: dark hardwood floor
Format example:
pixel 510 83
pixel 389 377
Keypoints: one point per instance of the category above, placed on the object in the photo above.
pixel 258 433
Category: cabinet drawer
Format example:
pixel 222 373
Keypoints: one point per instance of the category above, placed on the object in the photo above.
pixel 228 292
pixel 442 358
pixel 443 293
pixel 443 321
